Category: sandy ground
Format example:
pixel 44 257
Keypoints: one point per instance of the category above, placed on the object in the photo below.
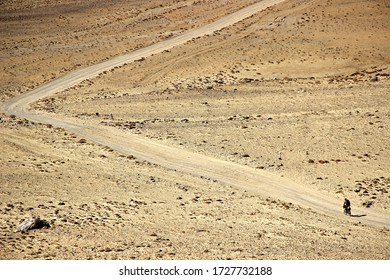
pixel 289 90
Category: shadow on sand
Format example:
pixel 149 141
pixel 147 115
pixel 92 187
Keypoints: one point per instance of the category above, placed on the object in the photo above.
pixel 358 216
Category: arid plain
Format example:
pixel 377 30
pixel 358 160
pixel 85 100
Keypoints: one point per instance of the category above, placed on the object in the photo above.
pixel 300 90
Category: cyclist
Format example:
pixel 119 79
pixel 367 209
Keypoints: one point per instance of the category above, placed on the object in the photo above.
pixel 347 207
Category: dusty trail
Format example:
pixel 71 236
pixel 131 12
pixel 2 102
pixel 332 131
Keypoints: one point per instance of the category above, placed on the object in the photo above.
pixel 227 173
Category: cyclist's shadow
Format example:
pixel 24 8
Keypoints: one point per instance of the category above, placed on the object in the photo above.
pixel 358 216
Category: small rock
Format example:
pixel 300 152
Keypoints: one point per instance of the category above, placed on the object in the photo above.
pixel 374 78
pixel 32 223
pixel 367 204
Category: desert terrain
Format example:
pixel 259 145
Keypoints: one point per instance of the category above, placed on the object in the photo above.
pixel 299 90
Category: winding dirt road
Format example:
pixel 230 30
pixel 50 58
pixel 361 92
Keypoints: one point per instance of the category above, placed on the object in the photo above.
pixel 227 173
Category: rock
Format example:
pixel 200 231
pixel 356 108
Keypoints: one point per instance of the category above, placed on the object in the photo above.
pixel 32 223
pixel 323 161
pixel 367 204
pixel 374 78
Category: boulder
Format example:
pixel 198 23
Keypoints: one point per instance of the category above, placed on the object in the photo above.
pixel 32 223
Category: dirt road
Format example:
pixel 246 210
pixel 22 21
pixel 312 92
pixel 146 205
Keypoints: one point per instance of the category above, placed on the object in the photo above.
pixel 227 173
